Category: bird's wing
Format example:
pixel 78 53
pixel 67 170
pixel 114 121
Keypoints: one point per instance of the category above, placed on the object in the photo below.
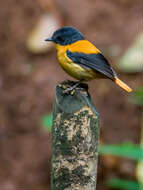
pixel 96 62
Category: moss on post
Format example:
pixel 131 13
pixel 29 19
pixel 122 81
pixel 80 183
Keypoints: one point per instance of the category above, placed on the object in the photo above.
pixel 75 140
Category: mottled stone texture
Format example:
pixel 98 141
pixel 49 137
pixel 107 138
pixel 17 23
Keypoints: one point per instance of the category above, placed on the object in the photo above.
pixel 75 140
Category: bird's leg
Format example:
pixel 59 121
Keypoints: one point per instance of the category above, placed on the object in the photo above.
pixel 72 87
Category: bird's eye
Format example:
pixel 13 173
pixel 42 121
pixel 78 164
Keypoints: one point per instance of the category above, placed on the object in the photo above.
pixel 59 38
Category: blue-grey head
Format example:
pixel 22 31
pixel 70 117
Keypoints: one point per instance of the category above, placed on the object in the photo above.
pixel 65 36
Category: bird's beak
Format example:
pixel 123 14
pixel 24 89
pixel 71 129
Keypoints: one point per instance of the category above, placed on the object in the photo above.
pixel 49 39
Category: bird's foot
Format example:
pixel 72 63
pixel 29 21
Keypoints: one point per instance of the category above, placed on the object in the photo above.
pixel 71 89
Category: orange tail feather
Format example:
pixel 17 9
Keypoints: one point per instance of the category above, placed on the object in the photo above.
pixel 122 85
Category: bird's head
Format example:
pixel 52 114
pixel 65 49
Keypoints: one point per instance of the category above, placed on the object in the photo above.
pixel 66 36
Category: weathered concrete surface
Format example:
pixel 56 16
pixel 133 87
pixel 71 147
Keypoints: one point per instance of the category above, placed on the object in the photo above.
pixel 75 140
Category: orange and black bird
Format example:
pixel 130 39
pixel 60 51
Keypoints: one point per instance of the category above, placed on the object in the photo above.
pixel 81 59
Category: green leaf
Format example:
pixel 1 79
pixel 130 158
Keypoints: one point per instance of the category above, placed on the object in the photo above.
pixel 122 184
pixel 46 121
pixel 137 96
pixel 123 150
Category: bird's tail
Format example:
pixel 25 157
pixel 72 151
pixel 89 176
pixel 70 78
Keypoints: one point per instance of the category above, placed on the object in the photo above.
pixel 122 85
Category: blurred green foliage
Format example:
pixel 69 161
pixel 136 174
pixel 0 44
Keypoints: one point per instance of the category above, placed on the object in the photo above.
pixel 127 150
pixel 46 121
pixel 122 184
pixel 137 96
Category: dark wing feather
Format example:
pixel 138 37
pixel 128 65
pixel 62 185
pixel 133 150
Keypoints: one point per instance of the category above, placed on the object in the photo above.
pixel 93 61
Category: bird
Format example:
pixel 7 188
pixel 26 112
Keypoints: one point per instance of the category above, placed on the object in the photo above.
pixel 81 59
